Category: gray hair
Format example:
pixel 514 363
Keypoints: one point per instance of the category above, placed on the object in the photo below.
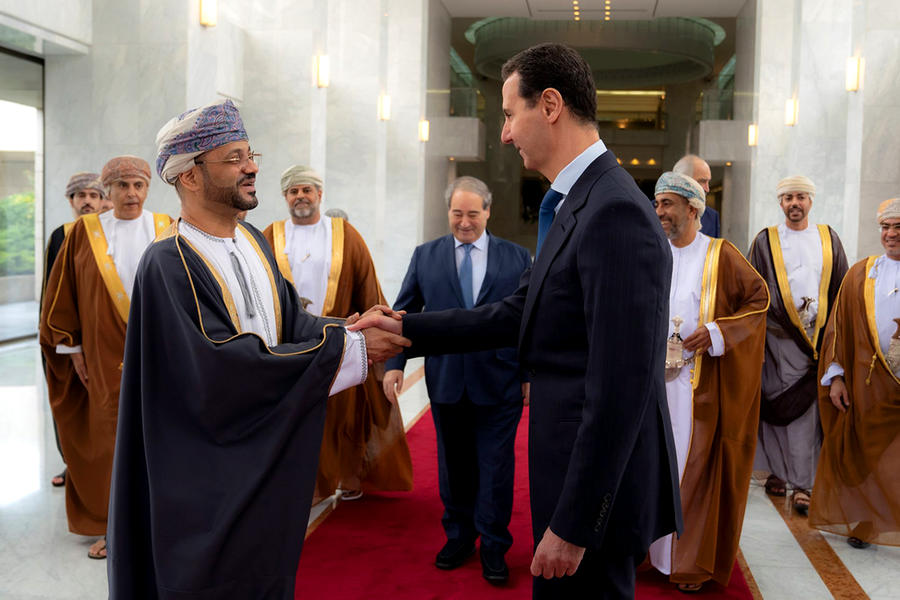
pixel 685 164
pixel 337 213
pixel 469 184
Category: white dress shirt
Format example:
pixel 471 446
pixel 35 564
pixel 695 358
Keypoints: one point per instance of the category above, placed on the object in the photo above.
pixel 479 254
pixel 572 171
pixel 353 369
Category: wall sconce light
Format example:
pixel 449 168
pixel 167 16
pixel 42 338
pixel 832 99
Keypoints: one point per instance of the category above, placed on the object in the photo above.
pixel 728 164
pixel 208 12
pixel 384 107
pixel 424 129
pixel 321 73
pixel 853 71
pixel 752 134
pixel 790 112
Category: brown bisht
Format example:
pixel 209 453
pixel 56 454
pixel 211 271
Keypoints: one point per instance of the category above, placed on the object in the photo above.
pixel 791 359
pixel 857 491
pixel 364 437
pixel 218 435
pixel 85 304
pixel 726 414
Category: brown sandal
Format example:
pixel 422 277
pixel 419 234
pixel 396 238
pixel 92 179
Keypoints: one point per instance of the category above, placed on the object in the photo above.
pixel 690 588
pixel 800 501
pixel 775 486
pixel 100 553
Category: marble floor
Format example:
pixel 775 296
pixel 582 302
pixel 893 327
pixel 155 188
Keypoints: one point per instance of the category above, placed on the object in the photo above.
pixel 39 559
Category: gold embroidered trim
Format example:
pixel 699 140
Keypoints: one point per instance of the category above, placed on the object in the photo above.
pixel 869 296
pixel 105 264
pixel 281 258
pixel 337 260
pixel 265 263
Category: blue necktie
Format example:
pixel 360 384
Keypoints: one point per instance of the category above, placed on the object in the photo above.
pixel 546 214
pixel 465 276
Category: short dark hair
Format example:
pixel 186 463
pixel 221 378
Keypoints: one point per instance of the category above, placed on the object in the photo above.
pixel 555 66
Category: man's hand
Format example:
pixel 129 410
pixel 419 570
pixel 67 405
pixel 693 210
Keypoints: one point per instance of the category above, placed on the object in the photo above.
pixel 555 557
pixel 526 392
pixel 839 395
pixel 699 341
pixel 383 335
pixel 80 367
pixel 393 383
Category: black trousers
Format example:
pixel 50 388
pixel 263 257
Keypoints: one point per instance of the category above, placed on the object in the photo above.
pixel 476 465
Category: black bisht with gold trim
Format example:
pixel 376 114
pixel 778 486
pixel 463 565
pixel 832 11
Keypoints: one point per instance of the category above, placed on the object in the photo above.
pixel 218 435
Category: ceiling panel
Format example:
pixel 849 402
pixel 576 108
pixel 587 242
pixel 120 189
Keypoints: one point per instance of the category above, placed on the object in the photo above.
pixel 593 9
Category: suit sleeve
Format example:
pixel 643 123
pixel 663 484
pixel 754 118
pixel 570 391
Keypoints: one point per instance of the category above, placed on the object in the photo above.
pixel 410 299
pixel 624 273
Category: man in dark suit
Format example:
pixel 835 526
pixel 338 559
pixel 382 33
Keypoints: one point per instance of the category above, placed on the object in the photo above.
pixel 698 169
pixel 590 325
pixel 476 398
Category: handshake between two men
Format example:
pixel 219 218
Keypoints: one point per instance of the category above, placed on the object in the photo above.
pixel 382 328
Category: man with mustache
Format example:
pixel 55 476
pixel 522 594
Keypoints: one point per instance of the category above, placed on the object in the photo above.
pixel 364 445
pixel 224 384
pixel 83 322
pixel 717 311
pixel 857 491
pixel 86 195
pixel 803 267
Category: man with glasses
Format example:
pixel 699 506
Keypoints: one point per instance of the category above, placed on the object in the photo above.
pixel 326 259
pixel 857 491
pixel 83 322
pixel 803 267
pixel 224 384
pixel 86 195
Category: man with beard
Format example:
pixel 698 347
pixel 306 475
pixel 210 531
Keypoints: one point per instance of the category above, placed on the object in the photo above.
pixel 224 384
pixel 857 491
pixel 698 169
pixel 717 311
pixel 82 334
pixel 364 445
pixel 86 195
pixel 803 267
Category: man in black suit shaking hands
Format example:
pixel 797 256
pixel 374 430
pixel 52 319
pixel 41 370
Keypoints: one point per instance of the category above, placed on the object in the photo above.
pixel 590 325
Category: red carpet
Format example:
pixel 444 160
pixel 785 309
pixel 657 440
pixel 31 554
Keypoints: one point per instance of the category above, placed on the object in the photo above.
pixel 383 546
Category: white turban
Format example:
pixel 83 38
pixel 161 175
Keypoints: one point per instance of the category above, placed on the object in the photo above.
pixel 684 186
pixel 300 175
pixel 193 133
pixel 797 183
pixel 889 209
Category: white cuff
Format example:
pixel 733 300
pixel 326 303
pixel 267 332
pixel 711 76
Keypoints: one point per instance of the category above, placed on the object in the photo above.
pixel 715 337
pixel 63 349
pixel 834 370
pixel 354 366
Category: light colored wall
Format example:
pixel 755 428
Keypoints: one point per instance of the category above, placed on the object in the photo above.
pixel 70 19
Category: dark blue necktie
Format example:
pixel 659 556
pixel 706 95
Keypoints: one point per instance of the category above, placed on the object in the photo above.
pixel 546 214
pixel 465 276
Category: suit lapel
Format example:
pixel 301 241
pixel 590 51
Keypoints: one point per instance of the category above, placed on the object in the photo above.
pixel 561 230
pixel 493 267
pixel 449 253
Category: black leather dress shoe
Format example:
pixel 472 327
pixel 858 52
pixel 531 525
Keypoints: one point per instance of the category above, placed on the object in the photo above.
pixel 493 567
pixel 454 554
pixel 857 543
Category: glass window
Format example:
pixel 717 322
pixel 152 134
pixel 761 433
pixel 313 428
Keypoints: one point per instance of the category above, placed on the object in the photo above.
pixel 21 186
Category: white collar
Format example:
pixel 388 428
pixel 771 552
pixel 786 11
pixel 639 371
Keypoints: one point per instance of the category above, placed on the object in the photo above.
pixel 572 171
pixel 481 243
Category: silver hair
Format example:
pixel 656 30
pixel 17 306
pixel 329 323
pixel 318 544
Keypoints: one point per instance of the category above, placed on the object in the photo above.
pixel 469 184
pixel 685 164
pixel 337 213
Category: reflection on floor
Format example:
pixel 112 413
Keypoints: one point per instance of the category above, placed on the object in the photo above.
pixel 39 559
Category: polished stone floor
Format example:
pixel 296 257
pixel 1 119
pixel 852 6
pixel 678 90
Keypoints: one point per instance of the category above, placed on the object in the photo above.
pixel 39 559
